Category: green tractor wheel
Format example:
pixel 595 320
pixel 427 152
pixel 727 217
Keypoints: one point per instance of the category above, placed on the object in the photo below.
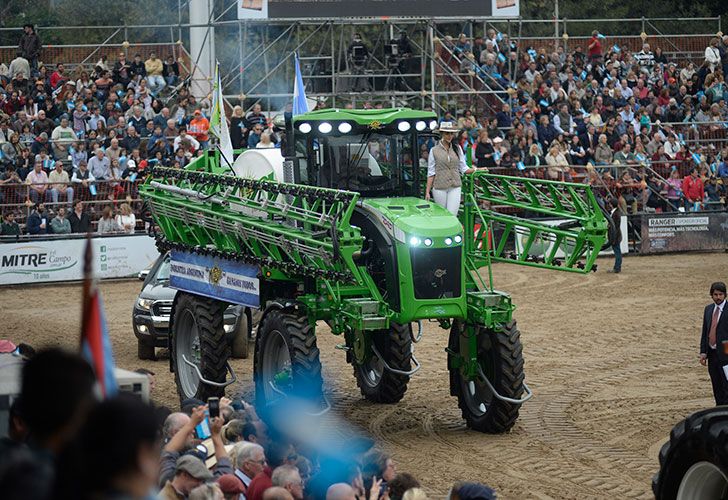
pixel 501 359
pixel 198 336
pixel 376 382
pixel 286 359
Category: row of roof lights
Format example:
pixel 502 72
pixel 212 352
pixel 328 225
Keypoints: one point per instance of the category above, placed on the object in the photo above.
pixel 346 127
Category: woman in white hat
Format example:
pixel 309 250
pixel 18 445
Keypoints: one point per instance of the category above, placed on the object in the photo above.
pixel 445 166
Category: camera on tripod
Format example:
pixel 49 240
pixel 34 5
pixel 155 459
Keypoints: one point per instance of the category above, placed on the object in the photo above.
pixel 392 53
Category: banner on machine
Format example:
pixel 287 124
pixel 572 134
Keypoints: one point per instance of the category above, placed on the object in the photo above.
pixel 220 279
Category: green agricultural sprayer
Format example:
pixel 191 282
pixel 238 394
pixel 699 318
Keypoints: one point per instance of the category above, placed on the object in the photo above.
pixel 336 232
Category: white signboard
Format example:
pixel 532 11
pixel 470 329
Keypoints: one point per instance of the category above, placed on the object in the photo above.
pixel 505 8
pixel 252 9
pixel 62 260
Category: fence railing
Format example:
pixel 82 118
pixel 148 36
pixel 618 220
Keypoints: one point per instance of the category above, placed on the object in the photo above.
pixel 20 197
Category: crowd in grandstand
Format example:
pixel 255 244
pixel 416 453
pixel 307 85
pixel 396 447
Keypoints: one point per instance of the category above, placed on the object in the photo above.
pixel 64 443
pixel 633 124
pixel 88 134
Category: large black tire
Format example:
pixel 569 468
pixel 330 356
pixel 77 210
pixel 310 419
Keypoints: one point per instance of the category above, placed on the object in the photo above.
pixel 287 357
pixel 242 339
pixel 501 357
pixel 197 331
pixel 694 462
pixel 145 350
pixel 378 384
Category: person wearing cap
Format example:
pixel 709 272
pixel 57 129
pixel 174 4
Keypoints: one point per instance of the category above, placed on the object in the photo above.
pixel 189 473
pixel 30 46
pixel 198 128
pixel 445 166
pixel 230 487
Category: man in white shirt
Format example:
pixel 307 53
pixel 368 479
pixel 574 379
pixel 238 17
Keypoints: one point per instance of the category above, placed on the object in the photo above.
pixel 671 147
pixel 100 166
pixel 184 137
pixel 645 57
pixel 250 460
pixel 712 339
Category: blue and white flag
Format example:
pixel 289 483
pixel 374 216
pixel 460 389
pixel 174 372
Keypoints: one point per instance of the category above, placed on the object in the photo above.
pixel 300 105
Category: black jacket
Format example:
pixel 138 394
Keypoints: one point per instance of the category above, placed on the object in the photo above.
pixel 615 238
pixel 481 150
pixel 721 332
pixel 30 45
pixel 79 225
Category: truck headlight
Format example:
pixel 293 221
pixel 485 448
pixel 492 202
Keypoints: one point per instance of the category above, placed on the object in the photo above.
pixel 145 304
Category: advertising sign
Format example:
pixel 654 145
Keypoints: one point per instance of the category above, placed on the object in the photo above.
pixel 680 232
pixel 216 278
pixel 62 260
pixel 286 9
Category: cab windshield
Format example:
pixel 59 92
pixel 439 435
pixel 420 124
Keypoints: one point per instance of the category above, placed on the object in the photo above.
pixel 373 164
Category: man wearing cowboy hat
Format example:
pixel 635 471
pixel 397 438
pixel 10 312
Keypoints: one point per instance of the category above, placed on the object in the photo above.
pixel 30 46
pixel 445 165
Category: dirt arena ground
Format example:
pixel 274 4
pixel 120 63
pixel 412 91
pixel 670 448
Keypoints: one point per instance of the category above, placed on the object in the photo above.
pixel 612 360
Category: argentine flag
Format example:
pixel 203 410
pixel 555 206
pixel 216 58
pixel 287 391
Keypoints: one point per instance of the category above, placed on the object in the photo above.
pixel 218 123
pixel 300 105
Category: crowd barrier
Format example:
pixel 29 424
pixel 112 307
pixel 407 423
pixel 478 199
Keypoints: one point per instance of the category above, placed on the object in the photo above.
pixel 57 259
pixel 19 198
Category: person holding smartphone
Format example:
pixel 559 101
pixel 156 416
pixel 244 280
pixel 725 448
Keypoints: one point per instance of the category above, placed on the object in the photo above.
pixel 176 446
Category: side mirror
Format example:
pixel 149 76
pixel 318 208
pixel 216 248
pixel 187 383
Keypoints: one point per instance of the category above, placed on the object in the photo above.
pixel 143 274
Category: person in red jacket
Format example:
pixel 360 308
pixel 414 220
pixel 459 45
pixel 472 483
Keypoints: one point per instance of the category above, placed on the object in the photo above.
pixel 58 77
pixel 595 48
pixel 198 128
pixel 693 190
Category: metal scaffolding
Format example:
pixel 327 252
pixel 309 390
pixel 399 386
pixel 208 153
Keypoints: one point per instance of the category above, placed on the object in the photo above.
pixel 429 77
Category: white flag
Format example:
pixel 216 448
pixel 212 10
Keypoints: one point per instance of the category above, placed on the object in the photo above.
pixel 218 123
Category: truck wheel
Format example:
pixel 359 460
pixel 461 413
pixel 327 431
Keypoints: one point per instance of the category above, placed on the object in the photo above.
pixel 145 351
pixel 501 358
pixel 694 462
pixel 198 335
pixel 378 384
pixel 286 362
pixel 242 340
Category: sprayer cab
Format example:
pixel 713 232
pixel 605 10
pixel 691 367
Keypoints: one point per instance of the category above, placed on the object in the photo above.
pixel 373 152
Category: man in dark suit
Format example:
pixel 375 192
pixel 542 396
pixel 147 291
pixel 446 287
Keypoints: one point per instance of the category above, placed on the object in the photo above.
pixel 615 238
pixel 589 140
pixel 712 348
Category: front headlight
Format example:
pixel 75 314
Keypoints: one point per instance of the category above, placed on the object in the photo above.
pixel 145 304
pixel 228 328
